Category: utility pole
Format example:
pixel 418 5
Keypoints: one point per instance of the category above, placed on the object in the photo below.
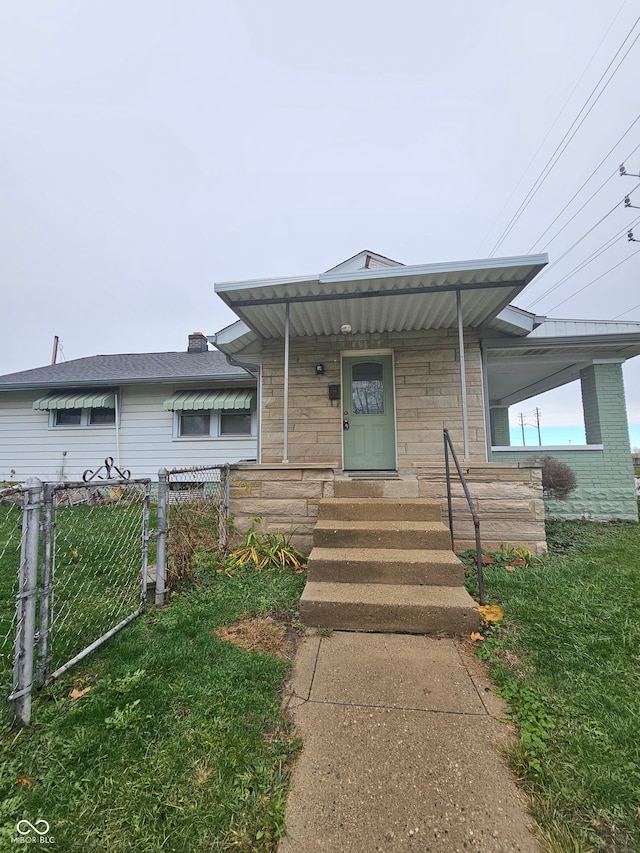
pixel 538 426
pixel 521 417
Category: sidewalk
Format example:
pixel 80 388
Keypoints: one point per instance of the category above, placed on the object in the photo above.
pixel 401 738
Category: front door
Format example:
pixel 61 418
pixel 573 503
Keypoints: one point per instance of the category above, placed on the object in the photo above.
pixel 368 413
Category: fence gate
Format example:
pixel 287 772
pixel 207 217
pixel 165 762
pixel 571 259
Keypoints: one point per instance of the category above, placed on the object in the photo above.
pixel 83 575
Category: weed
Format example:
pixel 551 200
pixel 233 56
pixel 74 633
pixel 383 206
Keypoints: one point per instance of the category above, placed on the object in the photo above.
pixel 324 632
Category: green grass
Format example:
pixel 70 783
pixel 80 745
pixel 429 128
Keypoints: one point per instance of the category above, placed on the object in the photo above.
pixel 567 661
pixel 180 744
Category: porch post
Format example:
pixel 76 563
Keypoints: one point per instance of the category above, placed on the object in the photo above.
pixel 463 378
pixel 285 425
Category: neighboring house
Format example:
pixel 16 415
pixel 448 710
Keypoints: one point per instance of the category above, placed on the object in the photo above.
pixel 146 410
pixel 361 367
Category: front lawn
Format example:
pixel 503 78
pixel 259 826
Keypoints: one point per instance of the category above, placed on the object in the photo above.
pixel 177 741
pixel 567 660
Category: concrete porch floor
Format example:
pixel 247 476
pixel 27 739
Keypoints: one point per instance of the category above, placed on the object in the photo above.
pixel 401 739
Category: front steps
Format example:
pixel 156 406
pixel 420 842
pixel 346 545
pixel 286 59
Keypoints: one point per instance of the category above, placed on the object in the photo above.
pixel 382 561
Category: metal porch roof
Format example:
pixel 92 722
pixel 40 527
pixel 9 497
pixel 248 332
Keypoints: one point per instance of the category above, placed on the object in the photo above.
pixel 399 298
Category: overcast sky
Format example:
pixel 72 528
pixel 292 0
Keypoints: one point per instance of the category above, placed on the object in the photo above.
pixel 150 148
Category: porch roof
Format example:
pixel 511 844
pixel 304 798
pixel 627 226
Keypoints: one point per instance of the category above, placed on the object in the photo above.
pixel 380 299
pixel 553 354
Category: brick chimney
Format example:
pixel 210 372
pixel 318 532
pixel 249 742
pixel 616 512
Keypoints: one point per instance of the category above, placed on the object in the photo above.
pixel 198 343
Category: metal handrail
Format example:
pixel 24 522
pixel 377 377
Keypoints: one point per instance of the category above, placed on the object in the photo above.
pixel 448 447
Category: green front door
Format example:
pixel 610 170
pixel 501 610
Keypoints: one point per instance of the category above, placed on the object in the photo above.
pixel 368 413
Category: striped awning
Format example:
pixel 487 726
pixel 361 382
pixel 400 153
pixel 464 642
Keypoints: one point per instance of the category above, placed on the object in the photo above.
pixel 203 400
pixel 84 400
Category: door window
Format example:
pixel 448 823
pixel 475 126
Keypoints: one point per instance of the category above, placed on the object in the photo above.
pixel 367 389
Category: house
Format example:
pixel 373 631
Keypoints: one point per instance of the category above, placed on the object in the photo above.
pixel 146 410
pixel 360 368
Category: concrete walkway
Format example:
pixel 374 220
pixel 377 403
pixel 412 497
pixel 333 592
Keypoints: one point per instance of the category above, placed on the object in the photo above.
pixel 401 750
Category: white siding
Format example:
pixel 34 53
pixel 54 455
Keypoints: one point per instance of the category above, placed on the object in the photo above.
pixel 30 448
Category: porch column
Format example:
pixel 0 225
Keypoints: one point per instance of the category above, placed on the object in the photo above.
pixel 285 419
pixel 463 378
pixel 499 417
pixel 605 422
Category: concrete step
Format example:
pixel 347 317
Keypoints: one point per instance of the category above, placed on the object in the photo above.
pixel 385 565
pixel 380 509
pixel 379 487
pixel 430 535
pixel 384 607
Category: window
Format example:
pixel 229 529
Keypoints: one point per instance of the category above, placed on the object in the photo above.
pixel 68 417
pixel 102 417
pixel 213 423
pixel 235 423
pixel 83 417
pixel 195 423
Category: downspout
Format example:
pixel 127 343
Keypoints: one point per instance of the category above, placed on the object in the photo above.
pixel 463 379
pixel 117 413
pixel 259 414
pixel 285 426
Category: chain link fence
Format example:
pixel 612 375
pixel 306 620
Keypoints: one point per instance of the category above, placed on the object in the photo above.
pixel 76 560
pixel 96 569
pixel 11 510
pixel 82 550
pixel 193 516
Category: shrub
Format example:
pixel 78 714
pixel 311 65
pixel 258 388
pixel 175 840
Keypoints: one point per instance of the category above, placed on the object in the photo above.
pixel 558 480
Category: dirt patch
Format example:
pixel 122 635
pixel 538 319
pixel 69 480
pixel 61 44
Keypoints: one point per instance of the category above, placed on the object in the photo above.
pixel 272 634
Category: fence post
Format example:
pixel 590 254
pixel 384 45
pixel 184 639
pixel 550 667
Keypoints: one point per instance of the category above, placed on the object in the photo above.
pixel 224 520
pixel 46 572
pixel 26 605
pixel 161 541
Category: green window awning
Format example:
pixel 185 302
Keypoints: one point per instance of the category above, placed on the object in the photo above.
pixel 85 400
pixel 196 401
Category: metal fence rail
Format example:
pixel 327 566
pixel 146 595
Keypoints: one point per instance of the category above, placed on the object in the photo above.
pixel 193 516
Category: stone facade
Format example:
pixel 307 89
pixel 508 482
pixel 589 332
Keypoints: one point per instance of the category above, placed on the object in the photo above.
pixel 286 497
pixel 508 498
pixel 427 395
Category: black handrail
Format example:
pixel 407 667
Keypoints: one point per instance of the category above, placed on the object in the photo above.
pixel 448 446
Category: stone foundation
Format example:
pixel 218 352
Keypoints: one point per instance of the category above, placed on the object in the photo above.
pixel 285 498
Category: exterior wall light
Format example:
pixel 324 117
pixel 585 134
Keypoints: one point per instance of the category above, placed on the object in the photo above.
pixel 346 329
pixel 319 369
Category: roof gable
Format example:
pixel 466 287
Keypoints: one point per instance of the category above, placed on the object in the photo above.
pixel 365 260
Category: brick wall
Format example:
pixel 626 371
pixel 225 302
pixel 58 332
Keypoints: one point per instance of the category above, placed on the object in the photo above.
pixel 605 483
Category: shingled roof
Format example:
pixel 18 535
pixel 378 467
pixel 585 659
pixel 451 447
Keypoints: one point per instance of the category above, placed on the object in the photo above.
pixel 126 369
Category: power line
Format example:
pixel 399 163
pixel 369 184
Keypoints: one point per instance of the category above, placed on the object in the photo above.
pixel 617 317
pixel 606 245
pixel 573 246
pixel 636 120
pixel 553 124
pixel 584 287
pixel 582 265
pixel 567 138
